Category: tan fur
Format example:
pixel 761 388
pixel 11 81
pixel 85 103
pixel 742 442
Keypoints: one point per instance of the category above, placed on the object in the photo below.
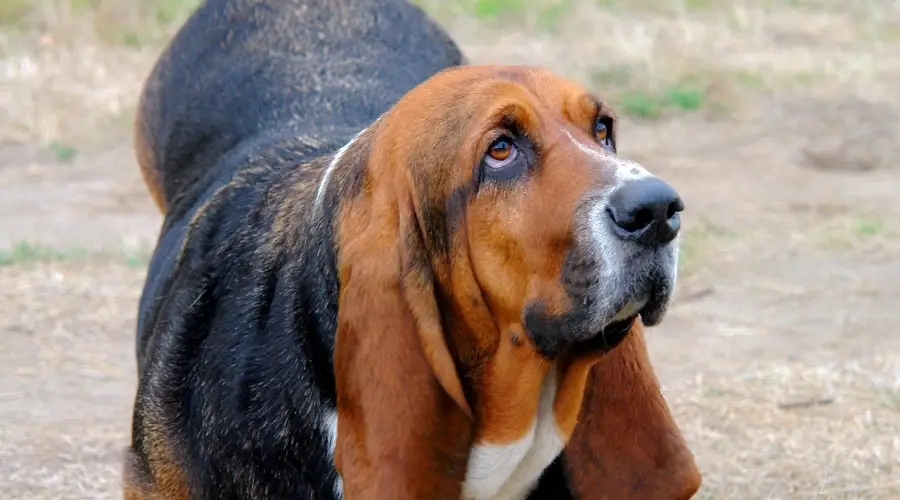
pixel 403 417
pixel 146 160
pixel 168 481
pixel 403 426
pixel 627 445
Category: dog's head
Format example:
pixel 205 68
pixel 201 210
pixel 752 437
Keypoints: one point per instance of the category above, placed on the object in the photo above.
pixel 495 244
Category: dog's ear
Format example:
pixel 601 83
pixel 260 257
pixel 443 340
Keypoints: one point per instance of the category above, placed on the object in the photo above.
pixel 404 425
pixel 626 445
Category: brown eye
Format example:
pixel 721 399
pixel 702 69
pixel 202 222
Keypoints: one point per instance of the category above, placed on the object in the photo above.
pixel 501 150
pixel 601 131
pixel 501 153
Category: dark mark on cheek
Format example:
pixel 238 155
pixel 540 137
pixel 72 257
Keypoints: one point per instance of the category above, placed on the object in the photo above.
pixel 443 217
pixel 552 333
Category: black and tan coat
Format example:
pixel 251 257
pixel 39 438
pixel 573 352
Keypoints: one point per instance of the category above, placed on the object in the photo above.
pixel 386 274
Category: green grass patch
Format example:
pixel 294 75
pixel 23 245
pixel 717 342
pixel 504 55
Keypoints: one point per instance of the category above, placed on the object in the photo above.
pixel 853 231
pixel 660 6
pixel 148 23
pixel 172 11
pixel 159 12
pixel 891 399
pixel 129 23
pixel 487 9
pixel 25 253
pixel 642 104
pixel 684 98
pixel 610 78
pixel 137 259
pixel 552 15
pixel 542 15
pixel 650 93
pixel 13 12
pixel 62 151
pixel 699 4
pixel 713 392
pixel 865 227
pixel 654 104
pixel 618 83
pixel 752 80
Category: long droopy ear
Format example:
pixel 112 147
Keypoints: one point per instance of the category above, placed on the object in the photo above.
pixel 626 445
pixel 404 425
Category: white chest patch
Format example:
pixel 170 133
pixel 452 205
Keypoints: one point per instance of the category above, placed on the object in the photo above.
pixel 509 471
pixel 330 426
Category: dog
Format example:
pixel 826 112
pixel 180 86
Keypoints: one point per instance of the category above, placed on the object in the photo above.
pixel 385 273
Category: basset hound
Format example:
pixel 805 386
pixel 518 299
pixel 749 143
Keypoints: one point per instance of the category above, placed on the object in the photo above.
pixel 384 273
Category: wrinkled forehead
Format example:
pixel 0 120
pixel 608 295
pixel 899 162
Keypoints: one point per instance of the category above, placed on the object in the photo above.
pixel 451 113
pixel 449 121
pixel 539 95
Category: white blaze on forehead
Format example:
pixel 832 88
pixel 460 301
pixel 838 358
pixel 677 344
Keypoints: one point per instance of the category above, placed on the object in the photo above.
pixel 510 471
pixel 615 279
pixel 607 246
pixel 622 169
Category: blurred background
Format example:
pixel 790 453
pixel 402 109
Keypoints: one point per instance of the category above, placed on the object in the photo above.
pixel 777 120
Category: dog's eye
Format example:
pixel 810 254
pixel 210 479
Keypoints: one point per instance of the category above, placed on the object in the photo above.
pixel 501 153
pixel 601 131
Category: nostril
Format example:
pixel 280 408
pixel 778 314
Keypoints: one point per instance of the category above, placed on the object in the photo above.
pixel 644 210
pixel 631 221
pixel 639 218
pixel 642 218
pixel 676 206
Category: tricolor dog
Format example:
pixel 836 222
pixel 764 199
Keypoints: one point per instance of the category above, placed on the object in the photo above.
pixel 385 273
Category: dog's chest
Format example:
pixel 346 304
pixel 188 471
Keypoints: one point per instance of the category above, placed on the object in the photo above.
pixel 510 471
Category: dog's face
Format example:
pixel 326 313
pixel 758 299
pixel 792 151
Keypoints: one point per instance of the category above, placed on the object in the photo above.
pixel 496 249
pixel 567 242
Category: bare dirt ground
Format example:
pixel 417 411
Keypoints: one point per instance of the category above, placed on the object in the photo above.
pixel 777 121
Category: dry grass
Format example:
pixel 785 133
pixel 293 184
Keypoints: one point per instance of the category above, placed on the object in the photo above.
pixel 778 431
pixel 87 58
pixel 641 54
pixel 66 377
pixel 71 69
pixel 795 430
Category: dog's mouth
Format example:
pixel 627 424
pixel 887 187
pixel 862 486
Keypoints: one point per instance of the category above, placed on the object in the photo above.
pixel 607 338
pixel 587 330
pixel 616 330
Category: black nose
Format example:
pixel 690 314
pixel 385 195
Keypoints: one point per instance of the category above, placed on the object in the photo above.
pixel 646 210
